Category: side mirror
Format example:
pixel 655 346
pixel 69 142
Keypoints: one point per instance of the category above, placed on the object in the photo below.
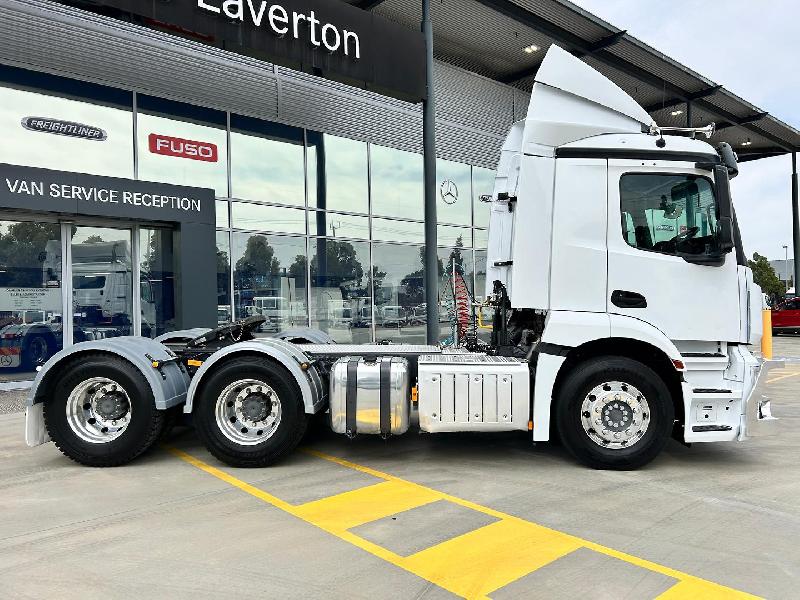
pixel 724 209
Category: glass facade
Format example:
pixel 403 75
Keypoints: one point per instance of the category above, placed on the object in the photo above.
pixel 312 229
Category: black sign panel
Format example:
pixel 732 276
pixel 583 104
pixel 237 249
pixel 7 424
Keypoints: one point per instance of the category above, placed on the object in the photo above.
pixel 31 188
pixel 67 128
pixel 328 38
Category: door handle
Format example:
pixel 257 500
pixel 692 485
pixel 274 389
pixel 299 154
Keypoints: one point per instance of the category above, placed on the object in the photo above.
pixel 626 299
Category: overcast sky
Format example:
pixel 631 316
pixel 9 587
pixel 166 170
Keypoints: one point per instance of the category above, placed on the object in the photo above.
pixel 750 47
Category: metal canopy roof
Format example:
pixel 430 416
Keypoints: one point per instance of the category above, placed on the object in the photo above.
pixel 488 37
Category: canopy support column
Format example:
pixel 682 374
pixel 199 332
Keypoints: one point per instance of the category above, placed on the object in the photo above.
pixel 429 157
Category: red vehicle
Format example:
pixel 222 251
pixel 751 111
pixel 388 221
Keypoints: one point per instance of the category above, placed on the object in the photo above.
pixel 786 317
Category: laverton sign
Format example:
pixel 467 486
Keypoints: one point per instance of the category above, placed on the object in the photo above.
pixel 328 38
pixel 282 22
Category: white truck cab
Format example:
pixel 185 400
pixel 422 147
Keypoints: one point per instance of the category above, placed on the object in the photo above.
pixel 623 314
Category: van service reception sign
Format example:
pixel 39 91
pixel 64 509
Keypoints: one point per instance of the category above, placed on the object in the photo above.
pixel 31 188
pixel 329 38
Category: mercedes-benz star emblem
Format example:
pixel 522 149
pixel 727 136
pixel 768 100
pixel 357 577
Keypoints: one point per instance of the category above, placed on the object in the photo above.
pixel 448 191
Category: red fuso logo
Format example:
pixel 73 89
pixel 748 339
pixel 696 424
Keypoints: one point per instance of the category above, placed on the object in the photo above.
pixel 191 149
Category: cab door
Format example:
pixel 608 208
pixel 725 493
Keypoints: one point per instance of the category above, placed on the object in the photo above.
pixel 662 251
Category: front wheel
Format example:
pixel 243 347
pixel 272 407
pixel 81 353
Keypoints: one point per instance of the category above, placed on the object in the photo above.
pixel 614 413
pixel 250 413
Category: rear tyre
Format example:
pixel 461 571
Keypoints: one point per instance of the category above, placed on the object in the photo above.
pixel 102 412
pixel 250 413
pixel 614 413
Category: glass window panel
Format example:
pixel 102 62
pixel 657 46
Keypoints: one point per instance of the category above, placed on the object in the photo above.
pixel 447 235
pixel 222 214
pixel 453 203
pixel 482 184
pixel 336 225
pixel 223 278
pixel 268 218
pixel 340 290
pixel 454 264
pixel 399 292
pixel 270 279
pixel 30 296
pixel 481 238
pixel 398 231
pixel 112 156
pixel 267 162
pixel 397 183
pixel 102 283
pixel 176 146
pixel 341 165
pixel 156 281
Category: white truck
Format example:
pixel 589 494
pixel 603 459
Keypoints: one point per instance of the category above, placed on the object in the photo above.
pixel 623 314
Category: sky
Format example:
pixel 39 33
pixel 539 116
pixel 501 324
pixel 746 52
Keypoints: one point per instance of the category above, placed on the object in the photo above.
pixel 751 48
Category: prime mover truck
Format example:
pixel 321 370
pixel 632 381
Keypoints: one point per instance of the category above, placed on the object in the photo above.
pixel 623 315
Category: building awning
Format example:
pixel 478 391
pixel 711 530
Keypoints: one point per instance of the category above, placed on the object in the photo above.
pixel 489 37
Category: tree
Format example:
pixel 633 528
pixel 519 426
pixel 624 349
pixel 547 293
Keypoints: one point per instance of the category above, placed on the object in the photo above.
pixel 257 263
pixel 94 239
pixel 765 276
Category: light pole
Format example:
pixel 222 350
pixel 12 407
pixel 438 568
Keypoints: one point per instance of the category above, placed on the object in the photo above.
pixel 786 266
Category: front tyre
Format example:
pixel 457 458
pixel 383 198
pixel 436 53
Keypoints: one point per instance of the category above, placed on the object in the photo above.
pixel 102 412
pixel 614 413
pixel 250 413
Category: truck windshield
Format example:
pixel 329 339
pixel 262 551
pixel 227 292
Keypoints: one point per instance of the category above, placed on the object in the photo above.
pixel 88 282
pixel 669 213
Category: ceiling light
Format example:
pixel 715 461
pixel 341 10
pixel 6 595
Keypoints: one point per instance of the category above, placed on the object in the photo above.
pixel 675 113
pixel 747 143
pixel 530 49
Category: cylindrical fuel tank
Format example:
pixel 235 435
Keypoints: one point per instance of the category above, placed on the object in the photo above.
pixel 370 396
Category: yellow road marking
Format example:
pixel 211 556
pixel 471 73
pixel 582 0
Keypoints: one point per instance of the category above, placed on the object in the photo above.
pixel 795 374
pixel 504 550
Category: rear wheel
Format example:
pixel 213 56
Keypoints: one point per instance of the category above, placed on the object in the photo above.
pixel 102 412
pixel 614 413
pixel 250 413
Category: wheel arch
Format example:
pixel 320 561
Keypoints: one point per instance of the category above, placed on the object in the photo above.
pixel 634 349
pixel 168 383
pixel 282 353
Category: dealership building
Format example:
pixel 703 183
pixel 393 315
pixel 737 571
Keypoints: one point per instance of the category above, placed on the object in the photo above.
pixel 179 164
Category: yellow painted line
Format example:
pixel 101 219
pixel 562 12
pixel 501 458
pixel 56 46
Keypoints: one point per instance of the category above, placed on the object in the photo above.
pixel 363 505
pixel 481 561
pixel 783 377
pixel 472 565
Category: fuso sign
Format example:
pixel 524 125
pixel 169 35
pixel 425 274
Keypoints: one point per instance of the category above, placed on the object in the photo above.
pixel 181 148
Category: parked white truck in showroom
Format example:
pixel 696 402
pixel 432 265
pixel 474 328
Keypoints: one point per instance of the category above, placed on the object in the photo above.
pixel 624 314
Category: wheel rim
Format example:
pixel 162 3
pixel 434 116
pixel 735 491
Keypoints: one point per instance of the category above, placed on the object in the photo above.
pixel 248 412
pixel 615 415
pixel 98 410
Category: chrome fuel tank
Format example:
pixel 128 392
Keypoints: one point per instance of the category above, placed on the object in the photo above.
pixel 370 396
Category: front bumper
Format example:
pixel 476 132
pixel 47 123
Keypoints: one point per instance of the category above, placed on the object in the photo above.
pixel 758 419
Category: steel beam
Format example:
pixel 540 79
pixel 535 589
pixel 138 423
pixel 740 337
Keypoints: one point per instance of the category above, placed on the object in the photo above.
pixel 676 101
pixel 429 165
pixel 368 4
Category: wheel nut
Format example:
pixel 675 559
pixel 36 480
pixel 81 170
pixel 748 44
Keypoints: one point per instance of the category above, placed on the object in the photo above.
pixel 87 406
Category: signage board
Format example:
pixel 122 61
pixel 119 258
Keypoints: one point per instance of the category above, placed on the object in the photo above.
pixel 181 148
pixel 31 188
pixel 17 299
pixel 328 38
pixel 66 128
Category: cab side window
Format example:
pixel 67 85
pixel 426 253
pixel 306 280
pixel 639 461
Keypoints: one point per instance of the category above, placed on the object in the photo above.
pixel 668 213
